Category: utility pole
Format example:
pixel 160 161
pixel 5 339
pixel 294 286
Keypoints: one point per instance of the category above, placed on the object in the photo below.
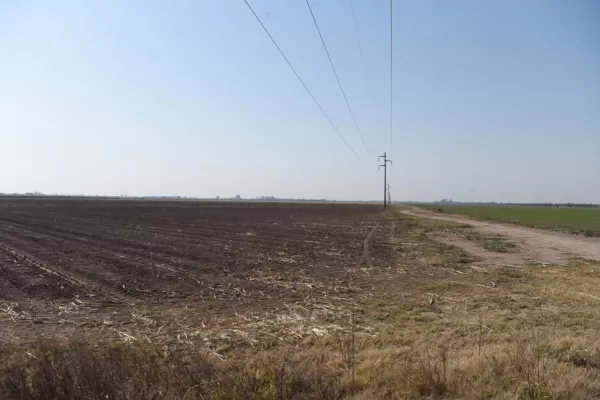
pixel 384 165
pixel 389 199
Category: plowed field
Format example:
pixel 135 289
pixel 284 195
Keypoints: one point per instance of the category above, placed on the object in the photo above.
pixel 223 258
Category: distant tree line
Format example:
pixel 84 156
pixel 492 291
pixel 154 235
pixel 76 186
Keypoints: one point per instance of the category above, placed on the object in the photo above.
pixel 569 205
pixel 237 197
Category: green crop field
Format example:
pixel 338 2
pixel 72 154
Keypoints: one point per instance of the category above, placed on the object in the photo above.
pixel 575 220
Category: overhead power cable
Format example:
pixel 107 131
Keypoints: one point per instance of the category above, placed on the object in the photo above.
pixel 360 49
pixel 336 75
pixel 391 79
pixel 302 82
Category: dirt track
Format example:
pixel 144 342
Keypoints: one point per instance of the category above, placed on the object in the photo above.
pixel 535 245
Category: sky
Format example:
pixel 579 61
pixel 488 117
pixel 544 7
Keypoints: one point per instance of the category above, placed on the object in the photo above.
pixel 495 100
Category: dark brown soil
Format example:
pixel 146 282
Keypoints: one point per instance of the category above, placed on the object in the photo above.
pixel 219 256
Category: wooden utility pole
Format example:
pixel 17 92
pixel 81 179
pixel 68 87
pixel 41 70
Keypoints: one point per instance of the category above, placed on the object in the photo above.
pixel 384 165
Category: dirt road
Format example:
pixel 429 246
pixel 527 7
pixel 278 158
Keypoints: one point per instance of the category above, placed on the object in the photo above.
pixel 535 245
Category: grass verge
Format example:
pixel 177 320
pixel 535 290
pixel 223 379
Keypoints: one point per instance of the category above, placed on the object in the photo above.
pixel 495 243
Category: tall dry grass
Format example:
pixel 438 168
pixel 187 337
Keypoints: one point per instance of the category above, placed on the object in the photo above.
pixel 133 371
pixel 524 369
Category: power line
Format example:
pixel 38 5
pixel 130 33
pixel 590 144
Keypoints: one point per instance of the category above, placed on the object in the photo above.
pixel 302 82
pixel 360 49
pixel 336 75
pixel 391 78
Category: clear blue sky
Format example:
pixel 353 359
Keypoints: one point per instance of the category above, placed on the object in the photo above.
pixel 494 100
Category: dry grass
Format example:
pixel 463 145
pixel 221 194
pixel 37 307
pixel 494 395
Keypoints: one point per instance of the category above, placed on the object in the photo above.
pixel 495 243
pixel 128 371
pixel 440 327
